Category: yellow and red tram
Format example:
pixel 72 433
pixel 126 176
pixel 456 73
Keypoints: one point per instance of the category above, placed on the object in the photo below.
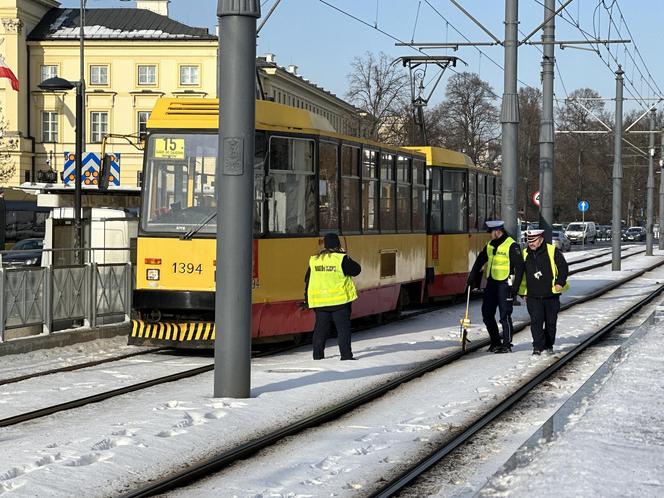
pixel 410 216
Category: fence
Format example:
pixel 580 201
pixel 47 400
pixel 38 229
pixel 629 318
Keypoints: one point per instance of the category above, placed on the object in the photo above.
pixel 56 297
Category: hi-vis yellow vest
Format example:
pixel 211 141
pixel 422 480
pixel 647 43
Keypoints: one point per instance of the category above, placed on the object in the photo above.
pixel 498 266
pixel 550 249
pixel 328 286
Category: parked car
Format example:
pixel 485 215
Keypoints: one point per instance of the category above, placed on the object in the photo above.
pixel 581 232
pixel 603 232
pixel 561 241
pixel 635 234
pixel 26 252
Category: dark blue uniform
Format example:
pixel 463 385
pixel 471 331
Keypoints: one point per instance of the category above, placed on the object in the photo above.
pixel 498 294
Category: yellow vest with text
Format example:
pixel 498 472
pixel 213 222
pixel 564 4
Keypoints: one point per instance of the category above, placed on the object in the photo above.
pixel 550 249
pixel 328 286
pixel 498 265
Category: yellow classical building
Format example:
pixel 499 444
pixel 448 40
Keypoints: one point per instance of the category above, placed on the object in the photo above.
pixel 133 56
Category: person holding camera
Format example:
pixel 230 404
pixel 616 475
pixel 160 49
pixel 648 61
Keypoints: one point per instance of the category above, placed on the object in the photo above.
pixel 329 291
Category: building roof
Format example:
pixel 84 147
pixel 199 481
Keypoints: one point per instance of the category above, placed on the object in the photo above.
pixel 262 63
pixel 114 24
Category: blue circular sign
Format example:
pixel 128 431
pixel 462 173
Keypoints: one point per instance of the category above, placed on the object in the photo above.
pixel 583 206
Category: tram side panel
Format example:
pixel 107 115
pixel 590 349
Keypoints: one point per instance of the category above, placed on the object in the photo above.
pixel 450 258
pixel 175 284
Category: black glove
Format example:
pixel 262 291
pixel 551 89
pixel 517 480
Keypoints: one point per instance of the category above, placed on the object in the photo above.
pixel 470 282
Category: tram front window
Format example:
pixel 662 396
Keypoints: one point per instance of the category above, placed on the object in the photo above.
pixel 179 190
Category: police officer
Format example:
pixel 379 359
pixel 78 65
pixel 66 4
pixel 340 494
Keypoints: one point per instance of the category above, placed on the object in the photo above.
pixel 545 279
pixel 329 291
pixel 503 269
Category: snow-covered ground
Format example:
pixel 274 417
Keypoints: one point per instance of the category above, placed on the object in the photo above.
pixel 612 442
pixel 103 449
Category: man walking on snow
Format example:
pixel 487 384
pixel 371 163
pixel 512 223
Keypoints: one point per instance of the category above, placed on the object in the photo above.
pixel 545 279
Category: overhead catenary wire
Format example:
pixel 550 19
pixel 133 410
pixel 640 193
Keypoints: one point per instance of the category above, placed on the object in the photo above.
pixel 564 14
pixel 389 35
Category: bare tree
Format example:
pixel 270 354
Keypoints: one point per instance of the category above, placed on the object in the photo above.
pixel 583 168
pixel 530 101
pixel 7 146
pixel 380 88
pixel 467 120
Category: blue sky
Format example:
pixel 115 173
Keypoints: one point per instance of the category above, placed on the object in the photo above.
pixel 322 41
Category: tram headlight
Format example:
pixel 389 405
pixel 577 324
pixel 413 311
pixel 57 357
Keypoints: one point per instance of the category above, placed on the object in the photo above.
pixel 152 274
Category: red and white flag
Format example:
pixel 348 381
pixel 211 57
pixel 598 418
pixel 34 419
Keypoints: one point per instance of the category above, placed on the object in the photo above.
pixel 5 72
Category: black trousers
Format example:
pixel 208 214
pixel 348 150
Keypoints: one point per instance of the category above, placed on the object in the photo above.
pixel 324 320
pixel 496 295
pixel 543 313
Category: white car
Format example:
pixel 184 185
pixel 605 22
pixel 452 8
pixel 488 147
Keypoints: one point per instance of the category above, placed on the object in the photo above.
pixel 581 232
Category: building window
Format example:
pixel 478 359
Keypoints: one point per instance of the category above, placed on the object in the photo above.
pixel 99 75
pixel 147 75
pixel 49 126
pixel 143 117
pixel 98 126
pixel 48 72
pixel 189 75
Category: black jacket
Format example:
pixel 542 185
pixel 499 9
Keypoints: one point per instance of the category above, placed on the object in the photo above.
pixel 516 265
pixel 350 268
pixel 537 261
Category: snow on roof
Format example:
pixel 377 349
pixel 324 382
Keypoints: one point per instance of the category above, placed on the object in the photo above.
pixel 113 24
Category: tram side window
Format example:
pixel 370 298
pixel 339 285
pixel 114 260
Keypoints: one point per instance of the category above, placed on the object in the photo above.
pixel 454 201
pixel 328 187
pixel 403 194
pixel 369 190
pixel 350 189
pixel 491 198
pixel 472 201
pixel 481 199
pixel 435 217
pixel 387 194
pixel 419 196
pixel 290 188
pixel 259 179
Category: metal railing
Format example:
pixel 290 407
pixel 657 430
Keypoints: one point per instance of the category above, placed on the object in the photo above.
pixel 68 296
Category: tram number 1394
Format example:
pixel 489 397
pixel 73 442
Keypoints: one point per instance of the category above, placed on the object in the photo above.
pixel 187 268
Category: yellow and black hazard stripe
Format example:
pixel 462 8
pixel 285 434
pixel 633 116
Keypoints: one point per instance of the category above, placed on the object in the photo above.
pixel 186 334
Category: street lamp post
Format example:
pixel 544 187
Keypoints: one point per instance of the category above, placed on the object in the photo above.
pixel 60 84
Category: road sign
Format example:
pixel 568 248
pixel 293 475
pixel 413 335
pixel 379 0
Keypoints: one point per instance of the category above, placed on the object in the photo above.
pixel 90 169
pixel 583 206
pixel 536 198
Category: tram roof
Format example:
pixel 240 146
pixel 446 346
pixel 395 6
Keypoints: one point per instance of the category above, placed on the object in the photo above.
pixel 437 156
pixel 204 114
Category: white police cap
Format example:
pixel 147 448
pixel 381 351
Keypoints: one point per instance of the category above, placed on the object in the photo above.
pixel 494 225
pixel 534 234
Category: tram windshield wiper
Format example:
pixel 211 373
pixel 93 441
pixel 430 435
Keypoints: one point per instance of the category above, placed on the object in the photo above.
pixel 199 227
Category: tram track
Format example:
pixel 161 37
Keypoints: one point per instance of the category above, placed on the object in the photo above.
pixel 111 359
pixel 223 459
pixel 99 397
pixel 78 366
pixel 401 482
